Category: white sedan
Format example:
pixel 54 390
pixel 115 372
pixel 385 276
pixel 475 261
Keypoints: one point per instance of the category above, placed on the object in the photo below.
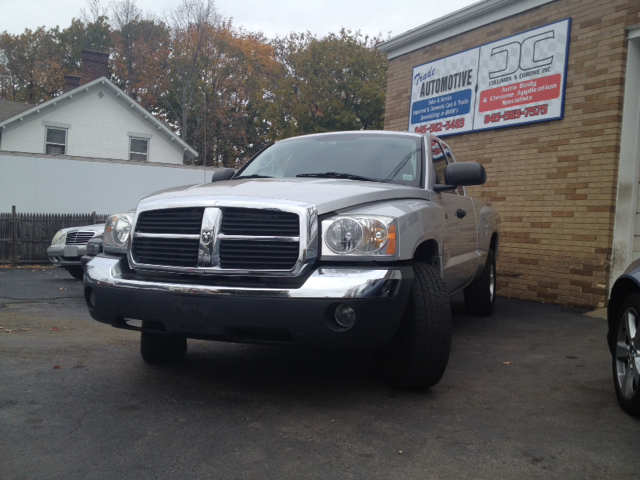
pixel 69 245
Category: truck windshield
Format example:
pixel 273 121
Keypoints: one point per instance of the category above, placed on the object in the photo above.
pixel 354 156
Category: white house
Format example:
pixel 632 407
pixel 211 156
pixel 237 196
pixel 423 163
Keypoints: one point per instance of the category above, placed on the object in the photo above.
pixel 92 148
pixel 94 120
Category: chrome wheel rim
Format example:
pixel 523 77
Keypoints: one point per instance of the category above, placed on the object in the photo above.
pixel 626 353
pixel 492 282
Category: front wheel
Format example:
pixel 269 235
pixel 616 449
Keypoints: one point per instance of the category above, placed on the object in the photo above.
pixel 162 348
pixel 76 272
pixel 626 355
pixel 480 296
pixel 417 356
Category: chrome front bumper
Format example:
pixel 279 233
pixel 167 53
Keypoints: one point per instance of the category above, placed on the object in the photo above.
pixel 301 315
pixel 323 283
pixel 66 255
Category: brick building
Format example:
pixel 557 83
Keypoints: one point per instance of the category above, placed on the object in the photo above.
pixel 566 185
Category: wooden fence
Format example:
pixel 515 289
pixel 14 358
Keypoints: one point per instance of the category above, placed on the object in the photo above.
pixel 24 237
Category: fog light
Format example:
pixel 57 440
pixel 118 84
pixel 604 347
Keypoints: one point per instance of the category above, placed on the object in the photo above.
pixel 345 316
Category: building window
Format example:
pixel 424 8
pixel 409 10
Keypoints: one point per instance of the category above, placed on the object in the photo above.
pixel 138 149
pixel 56 142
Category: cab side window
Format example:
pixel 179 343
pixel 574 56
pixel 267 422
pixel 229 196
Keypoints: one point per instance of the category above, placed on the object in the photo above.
pixel 439 161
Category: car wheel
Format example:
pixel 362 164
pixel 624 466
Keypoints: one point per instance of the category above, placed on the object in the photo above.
pixel 417 356
pixel 480 296
pixel 76 272
pixel 626 355
pixel 162 348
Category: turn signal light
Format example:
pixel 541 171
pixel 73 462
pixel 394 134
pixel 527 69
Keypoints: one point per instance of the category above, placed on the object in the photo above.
pixel 391 242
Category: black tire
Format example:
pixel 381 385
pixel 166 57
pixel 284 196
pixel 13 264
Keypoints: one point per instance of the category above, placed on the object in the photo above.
pixel 162 348
pixel 417 356
pixel 480 296
pixel 76 272
pixel 626 355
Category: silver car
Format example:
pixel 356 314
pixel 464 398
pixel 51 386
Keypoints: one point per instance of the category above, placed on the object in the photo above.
pixel 69 245
pixel 623 338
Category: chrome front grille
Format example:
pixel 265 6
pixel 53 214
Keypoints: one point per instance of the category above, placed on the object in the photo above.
pixel 79 237
pixel 258 255
pixel 180 221
pixel 256 222
pixel 174 252
pixel 173 237
pixel 225 239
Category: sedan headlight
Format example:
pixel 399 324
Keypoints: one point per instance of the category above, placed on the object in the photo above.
pixel 59 238
pixel 116 233
pixel 360 235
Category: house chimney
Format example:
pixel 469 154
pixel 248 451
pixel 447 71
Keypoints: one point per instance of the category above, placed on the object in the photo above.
pixel 94 65
pixel 71 82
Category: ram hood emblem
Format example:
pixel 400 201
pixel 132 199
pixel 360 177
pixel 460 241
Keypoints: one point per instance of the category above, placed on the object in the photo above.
pixel 206 236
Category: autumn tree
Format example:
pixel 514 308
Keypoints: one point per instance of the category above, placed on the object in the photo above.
pixel 226 91
pixel 333 83
pixel 236 67
pixel 31 65
pixel 140 54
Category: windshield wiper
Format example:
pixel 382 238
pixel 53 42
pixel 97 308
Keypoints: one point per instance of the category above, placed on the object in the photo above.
pixel 349 176
pixel 251 176
pixel 400 166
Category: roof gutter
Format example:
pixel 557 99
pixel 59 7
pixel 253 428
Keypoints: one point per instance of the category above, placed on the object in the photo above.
pixel 456 23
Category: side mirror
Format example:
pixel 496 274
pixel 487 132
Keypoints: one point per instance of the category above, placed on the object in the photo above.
pixel 223 174
pixel 465 174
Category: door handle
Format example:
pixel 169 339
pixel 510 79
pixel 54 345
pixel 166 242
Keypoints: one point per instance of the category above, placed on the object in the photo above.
pixel 461 213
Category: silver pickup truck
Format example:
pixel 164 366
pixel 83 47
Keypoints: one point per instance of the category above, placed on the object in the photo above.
pixel 336 240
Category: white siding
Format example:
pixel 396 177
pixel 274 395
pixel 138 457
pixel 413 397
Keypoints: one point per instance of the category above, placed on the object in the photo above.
pixel 636 233
pixel 43 184
pixel 99 128
pixel 626 232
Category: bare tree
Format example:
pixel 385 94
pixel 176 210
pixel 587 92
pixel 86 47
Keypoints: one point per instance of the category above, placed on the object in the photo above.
pixel 124 13
pixel 93 13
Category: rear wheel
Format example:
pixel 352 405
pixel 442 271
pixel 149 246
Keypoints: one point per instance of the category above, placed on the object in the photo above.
pixel 417 356
pixel 626 355
pixel 162 348
pixel 480 296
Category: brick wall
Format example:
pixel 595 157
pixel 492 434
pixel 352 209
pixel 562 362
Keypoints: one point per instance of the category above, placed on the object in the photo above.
pixel 554 183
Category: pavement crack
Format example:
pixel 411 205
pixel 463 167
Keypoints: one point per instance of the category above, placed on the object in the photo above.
pixel 86 412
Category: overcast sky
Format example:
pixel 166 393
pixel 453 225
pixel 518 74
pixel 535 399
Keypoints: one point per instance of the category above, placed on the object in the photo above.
pixel 273 17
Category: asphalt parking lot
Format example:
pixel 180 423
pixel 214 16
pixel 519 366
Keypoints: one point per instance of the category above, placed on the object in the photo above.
pixel 527 394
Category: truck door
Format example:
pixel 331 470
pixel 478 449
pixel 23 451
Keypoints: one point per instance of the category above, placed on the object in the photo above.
pixel 460 255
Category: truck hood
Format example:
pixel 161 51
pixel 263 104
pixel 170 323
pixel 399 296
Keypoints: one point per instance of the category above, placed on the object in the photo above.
pixel 327 195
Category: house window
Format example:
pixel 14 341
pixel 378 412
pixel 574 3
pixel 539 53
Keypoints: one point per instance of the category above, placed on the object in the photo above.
pixel 138 149
pixel 56 141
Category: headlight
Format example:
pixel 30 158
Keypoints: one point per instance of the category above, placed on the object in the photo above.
pixel 360 235
pixel 116 233
pixel 344 235
pixel 59 238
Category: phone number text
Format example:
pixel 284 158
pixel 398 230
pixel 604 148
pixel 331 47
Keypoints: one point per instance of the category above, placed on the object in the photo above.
pixel 441 126
pixel 517 113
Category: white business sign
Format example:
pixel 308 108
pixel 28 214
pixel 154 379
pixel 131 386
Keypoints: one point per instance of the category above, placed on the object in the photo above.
pixel 516 80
